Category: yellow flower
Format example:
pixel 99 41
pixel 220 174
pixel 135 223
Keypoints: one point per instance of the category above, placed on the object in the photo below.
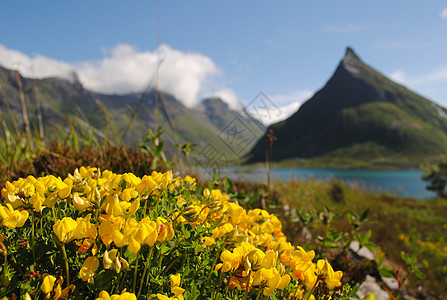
pixel 230 261
pixel 110 231
pixel 175 280
pixel 81 203
pixel 175 286
pixel 217 195
pixel 68 229
pixel 111 260
pixel 222 230
pixel 128 194
pixel 310 277
pixel 103 295
pixel 12 218
pixel 207 241
pixel 206 193
pixel 48 285
pixel 15 192
pixel 64 191
pixel 271 280
pixel 165 230
pixel 89 268
pixel 60 293
pixel 331 278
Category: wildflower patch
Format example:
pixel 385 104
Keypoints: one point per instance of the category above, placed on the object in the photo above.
pixel 97 234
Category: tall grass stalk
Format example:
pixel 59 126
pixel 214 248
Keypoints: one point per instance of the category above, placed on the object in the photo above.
pixel 24 109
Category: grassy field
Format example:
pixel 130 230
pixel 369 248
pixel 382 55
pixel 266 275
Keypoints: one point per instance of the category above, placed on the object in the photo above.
pixel 397 224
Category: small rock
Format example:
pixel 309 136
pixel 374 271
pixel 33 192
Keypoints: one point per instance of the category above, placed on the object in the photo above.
pixel 370 285
pixel 391 283
pixel 363 252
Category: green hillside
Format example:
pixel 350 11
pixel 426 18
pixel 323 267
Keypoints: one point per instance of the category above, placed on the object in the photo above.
pixel 362 115
pixel 121 119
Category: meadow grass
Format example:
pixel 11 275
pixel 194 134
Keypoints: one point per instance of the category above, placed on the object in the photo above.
pixel 397 224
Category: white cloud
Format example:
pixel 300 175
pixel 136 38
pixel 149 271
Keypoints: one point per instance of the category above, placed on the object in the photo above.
pixel 281 107
pixel 444 13
pixel 36 67
pixel 271 115
pixel 128 70
pixel 125 69
pixel 399 76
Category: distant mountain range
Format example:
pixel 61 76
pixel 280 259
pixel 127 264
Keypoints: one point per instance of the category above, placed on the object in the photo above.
pixel 359 114
pixel 126 118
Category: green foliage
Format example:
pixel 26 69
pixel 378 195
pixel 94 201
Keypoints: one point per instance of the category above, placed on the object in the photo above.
pixel 153 145
pixel 435 173
pixel 411 261
pixel 396 224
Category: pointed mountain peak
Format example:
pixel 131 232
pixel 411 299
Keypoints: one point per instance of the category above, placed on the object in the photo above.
pixel 350 54
pixel 351 61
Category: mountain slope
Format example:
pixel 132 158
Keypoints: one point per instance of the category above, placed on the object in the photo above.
pixel 120 118
pixel 362 114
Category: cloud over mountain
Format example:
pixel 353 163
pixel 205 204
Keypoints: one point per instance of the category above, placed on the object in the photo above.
pixel 125 69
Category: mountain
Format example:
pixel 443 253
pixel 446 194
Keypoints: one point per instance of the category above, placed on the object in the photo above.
pixel 359 114
pixel 119 118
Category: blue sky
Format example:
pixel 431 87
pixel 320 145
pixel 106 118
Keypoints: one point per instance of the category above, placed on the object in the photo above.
pixel 235 49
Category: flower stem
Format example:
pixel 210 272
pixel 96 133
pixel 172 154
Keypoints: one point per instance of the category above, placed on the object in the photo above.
pixel 258 296
pixel 248 285
pixel 218 285
pixel 5 263
pixel 67 270
pixel 32 237
pixel 116 288
pixel 171 264
pixel 134 287
pixel 214 262
pixel 148 262
pixel 228 285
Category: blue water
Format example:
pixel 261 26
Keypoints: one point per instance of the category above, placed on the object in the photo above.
pixel 405 183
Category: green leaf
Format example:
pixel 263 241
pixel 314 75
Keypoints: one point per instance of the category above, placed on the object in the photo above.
pixel 370 246
pixel 387 272
pixel 364 215
pixel 164 248
pixel 409 260
pixel 418 273
pixel 367 235
pixel 159 148
pixel 74 135
pixel 186 234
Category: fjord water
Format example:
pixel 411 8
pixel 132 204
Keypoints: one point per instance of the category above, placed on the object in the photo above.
pixel 405 183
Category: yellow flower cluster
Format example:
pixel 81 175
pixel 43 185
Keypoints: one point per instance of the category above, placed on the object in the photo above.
pixel 262 256
pixel 120 213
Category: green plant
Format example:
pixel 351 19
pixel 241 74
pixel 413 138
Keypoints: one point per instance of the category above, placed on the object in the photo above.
pixel 435 172
pixel 153 145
